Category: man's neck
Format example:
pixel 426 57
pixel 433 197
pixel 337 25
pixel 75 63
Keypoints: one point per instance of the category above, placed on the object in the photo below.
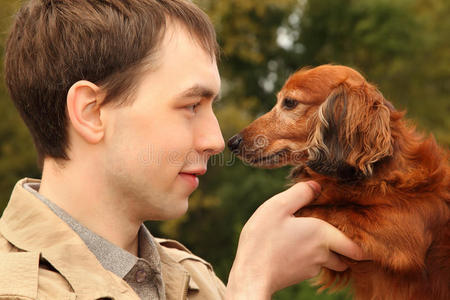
pixel 83 196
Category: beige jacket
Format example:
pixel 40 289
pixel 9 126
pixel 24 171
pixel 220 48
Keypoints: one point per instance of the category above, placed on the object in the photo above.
pixel 41 257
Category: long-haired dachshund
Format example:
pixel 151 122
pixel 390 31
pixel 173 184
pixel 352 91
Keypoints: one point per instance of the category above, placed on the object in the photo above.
pixel 383 184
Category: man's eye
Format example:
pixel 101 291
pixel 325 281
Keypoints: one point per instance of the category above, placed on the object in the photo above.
pixel 289 103
pixel 193 106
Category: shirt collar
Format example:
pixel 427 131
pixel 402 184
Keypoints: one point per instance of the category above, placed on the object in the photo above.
pixel 112 257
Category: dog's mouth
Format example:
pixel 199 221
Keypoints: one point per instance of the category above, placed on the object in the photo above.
pixel 267 161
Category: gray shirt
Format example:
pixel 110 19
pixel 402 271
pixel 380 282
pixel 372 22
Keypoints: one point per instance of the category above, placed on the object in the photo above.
pixel 142 273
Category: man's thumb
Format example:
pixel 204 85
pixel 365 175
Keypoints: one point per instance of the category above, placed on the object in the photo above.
pixel 298 196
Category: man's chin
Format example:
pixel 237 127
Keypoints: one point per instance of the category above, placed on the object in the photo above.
pixel 178 208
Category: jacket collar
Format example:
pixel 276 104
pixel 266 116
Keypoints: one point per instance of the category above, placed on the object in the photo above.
pixel 31 226
pixel 176 279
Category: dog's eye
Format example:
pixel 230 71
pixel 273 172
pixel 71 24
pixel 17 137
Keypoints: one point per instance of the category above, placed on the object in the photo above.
pixel 289 103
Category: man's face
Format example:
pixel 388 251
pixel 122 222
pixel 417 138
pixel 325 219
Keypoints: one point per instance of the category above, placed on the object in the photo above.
pixel 154 147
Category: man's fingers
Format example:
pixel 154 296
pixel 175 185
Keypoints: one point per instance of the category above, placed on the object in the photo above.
pixel 340 243
pixel 297 196
pixel 334 263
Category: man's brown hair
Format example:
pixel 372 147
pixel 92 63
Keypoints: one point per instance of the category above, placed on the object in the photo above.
pixel 55 43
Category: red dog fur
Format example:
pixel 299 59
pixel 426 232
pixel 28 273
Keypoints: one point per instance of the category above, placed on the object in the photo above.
pixel 383 184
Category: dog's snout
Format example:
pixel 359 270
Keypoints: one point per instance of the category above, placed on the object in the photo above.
pixel 234 143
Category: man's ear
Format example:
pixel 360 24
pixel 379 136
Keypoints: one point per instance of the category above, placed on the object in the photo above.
pixel 352 132
pixel 83 108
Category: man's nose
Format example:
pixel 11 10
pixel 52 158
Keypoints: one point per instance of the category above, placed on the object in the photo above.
pixel 211 140
pixel 234 143
pixel 215 144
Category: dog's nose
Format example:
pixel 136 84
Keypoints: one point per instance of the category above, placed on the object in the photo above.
pixel 234 143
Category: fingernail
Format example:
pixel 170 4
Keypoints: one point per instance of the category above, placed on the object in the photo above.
pixel 315 187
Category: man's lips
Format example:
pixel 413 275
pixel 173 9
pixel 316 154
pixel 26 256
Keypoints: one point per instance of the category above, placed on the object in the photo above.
pixel 191 176
pixel 197 172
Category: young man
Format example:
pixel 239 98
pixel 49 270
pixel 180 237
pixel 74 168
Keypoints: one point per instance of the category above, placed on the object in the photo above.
pixel 118 98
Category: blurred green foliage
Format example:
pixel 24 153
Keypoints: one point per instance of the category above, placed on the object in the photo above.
pixel 401 45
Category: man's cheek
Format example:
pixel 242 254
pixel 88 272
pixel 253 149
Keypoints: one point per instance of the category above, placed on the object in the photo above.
pixel 175 158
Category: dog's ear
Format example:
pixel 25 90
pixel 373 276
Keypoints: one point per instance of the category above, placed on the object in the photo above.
pixel 350 133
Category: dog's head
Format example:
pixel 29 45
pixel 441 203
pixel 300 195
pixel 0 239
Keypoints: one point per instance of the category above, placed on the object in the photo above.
pixel 328 117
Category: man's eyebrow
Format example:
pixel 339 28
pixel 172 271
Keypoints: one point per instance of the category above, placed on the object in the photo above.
pixel 199 91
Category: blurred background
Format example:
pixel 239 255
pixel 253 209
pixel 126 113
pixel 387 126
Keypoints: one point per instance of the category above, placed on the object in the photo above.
pixel 403 46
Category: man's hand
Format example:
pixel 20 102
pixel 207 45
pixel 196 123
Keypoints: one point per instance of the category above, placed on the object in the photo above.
pixel 277 249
